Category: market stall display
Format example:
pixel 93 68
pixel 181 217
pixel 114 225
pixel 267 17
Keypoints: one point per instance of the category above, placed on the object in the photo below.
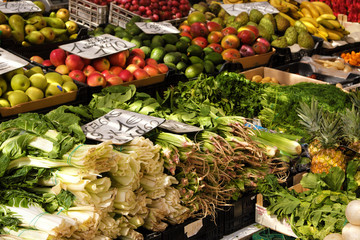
pixel 165 120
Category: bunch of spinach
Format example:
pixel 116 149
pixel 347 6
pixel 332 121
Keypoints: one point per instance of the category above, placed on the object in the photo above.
pixel 317 211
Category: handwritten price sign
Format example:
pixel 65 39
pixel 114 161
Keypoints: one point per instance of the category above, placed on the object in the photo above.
pixel 9 62
pixel 178 127
pixel 235 9
pixel 120 126
pixel 96 47
pixel 157 27
pixel 19 7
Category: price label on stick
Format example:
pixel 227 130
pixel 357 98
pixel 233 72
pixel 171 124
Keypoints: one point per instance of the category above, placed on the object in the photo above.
pixel 9 61
pixel 157 27
pixel 236 9
pixel 178 127
pixel 120 126
pixel 19 7
pixel 96 47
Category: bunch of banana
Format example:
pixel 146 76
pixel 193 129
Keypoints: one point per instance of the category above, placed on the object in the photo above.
pixel 320 21
pixel 284 6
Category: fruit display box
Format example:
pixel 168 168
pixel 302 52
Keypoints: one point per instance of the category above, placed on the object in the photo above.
pixel 306 70
pixel 251 62
pixel 119 16
pixel 262 217
pixel 284 78
pixel 87 13
pixel 46 104
pixel 284 55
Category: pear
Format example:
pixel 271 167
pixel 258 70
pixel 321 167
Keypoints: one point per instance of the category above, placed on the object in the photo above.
pixel 35 37
pixel 54 22
pixel 41 5
pixel 48 33
pixel 29 28
pixel 2 18
pixel 17 23
pixel 5 31
pixel 59 31
pixel 63 14
pixel 71 27
pixel 38 21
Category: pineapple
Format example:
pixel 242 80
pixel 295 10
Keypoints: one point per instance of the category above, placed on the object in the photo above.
pixel 351 128
pixel 324 129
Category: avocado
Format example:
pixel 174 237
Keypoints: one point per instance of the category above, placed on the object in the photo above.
pixel 181 66
pixel 172 57
pixel 195 59
pixel 170 48
pixel 186 39
pixel 144 36
pixel 209 67
pixel 171 65
pixel 194 70
pixel 170 38
pixel 194 50
pixel 158 41
pixel 208 50
pixel 214 57
pixel 147 43
pixel 158 54
pixel 135 19
pixel 137 41
pixel 133 29
pixel 184 58
pixel 146 50
pixel 181 46
pixel 109 29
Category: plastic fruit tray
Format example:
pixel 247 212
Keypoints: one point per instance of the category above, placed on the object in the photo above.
pixel 87 13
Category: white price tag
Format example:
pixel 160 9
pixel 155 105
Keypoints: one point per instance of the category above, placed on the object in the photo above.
pixel 19 7
pixel 9 61
pixel 120 126
pixel 178 127
pixel 236 9
pixel 157 27
pixel 96 47
pixel 193 228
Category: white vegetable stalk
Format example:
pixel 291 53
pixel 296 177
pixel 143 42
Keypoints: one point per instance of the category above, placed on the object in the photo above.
pixel 42 144
pixel 34 216
pixel 155 185
pixel 109 227
pixel 28 233
pixel 69 175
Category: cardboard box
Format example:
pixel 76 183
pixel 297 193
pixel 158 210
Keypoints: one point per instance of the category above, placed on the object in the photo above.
pixel 262 217
pixel 39 104
pixel 254 61
pixel 284 78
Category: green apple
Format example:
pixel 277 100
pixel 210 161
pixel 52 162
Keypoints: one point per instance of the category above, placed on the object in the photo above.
pixel 54 77
pixel 9 75
pixel 34 93
pixel 17 97
pixel 53 89
pixel 20 82
pixel 69 86
pixel 38 80
pixel 34 70
pixel 67 78
pixel 3 85
pixel 4 102
pixel 7 94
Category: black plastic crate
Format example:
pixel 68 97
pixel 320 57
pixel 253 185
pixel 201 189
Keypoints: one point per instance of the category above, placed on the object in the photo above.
pixel 208 229
pixel 239 215
pixel 305 69
pixel 339 49
pixel 149 235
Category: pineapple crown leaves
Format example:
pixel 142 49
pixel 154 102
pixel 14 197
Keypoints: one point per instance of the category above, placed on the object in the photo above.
pixel 355 98
pixel 310 116
pixel 351 124
pixel 330 129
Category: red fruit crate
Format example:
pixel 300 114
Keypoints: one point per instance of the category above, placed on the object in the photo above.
pixel 119 16
pixel 87 13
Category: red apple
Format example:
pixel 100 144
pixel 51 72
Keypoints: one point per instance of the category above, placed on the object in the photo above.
pixel 88 70
pixel 57 57
pixel 136 60
pixel 151 61
pixel 37 59
pixel 78 75
pixel 132 67
pixel 86 61
pixel 126 75
pixel 114 80
pixel 137 52
pixel 107 74
pixel 140 74
pixel 118 59
pixel 47 63
pixel 115 70
pixel 152 70
pixel 101 64
pixel 74 62
pixel 62 69
pixel 96 79
pixel 163 68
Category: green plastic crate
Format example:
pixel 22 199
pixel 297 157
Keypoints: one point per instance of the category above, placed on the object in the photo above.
pixel 269 234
